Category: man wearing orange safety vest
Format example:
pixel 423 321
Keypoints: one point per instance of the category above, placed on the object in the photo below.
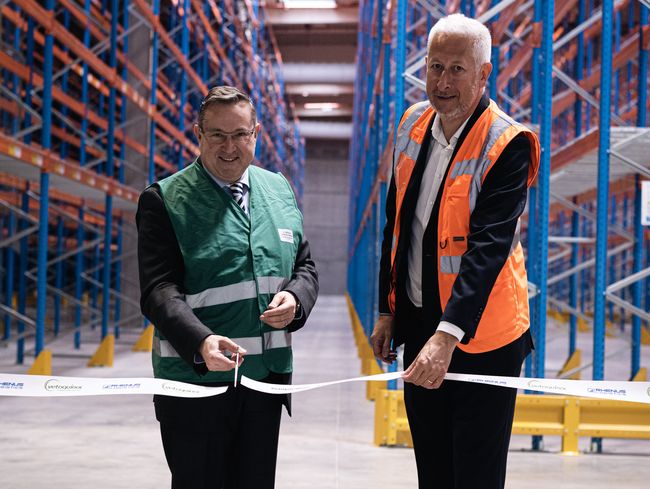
pixel 453 285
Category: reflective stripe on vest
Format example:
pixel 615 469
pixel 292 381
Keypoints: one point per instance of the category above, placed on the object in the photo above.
pixel 407 148
pixel 252 345
pixel 451 263
pixel 477 167
pixel 404 143
pixel 235 292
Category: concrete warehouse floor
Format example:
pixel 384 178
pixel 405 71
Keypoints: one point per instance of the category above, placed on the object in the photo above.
pixel 113 442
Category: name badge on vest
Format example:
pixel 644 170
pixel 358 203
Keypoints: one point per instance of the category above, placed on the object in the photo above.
pixel 286 235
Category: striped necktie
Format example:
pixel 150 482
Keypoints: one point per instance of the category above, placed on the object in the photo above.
pixel 238 190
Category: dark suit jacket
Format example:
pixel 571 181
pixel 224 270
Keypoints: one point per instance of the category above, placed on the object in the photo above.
pixel 161 269
pixel 492 227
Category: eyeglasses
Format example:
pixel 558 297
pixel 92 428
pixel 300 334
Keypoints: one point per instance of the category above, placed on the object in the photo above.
pixel 220 137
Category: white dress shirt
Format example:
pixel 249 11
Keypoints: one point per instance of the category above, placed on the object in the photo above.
pixel 439 159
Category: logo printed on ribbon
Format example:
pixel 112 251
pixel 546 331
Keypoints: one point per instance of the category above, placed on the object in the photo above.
pixel 121 386
pixel 56 385
pixel 613 392
pixel 534 384
pixel 492 381
pixel 180 388
pixel 45 386
pixel 479 380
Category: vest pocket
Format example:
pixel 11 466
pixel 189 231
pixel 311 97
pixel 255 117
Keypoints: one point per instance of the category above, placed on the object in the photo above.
pixel 454 211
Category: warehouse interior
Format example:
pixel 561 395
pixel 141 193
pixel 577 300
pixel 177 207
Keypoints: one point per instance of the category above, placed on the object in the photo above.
pixel 99 99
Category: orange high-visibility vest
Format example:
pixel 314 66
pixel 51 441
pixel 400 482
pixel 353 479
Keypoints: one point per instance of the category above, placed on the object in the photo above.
pixel 506 316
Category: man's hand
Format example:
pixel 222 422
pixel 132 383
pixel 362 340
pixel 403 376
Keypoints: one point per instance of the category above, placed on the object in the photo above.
pixel 280 311
pixel 380 339
pixel 430 366
pixel 212 350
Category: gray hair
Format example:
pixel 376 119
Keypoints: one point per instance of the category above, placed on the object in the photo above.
pixel 224 95
pixel 469 28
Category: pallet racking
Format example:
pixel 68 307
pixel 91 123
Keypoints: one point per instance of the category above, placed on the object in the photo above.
pixel 98 99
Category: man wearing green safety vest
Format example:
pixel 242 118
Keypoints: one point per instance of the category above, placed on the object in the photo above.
pixel 225 274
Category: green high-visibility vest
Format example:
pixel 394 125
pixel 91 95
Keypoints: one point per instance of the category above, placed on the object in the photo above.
pixel 233 266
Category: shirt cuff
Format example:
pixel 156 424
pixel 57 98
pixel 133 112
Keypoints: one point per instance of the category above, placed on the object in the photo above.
pixel 451 329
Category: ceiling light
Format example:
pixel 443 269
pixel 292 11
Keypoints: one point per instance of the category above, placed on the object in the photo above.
pixel 309 4
pixel 324 106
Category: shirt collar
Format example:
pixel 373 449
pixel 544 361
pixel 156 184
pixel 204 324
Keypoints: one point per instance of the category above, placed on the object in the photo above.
pixel 243 179
pixel 439 135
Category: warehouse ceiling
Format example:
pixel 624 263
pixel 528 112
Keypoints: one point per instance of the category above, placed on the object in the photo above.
pixel 318 42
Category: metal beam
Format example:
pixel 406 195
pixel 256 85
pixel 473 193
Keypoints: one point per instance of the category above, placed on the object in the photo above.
pixel 434 8
pixel 629 280
pixel 558 256
pixel 639 168
pixel 495 10
pixel 417 65
pixel 18 236
pixel 568 308
pixel 628 306
pixel 590 215
pixel 593 19
pixel 571 239
pixel 587 264
pixel 415 81
pixel 20 317
pixel 571 83
pixel 70 298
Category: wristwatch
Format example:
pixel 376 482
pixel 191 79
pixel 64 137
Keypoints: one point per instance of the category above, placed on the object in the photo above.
pixel 298 312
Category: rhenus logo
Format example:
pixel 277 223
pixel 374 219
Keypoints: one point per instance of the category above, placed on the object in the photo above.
pixel 605 391
pixel 120 386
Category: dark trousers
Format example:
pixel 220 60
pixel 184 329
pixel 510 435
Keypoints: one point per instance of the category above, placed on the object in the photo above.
pixel 229 441
pixel 461 431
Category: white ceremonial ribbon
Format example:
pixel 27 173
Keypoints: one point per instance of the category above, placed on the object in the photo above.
pixel 291 388
pixel 599 389
pixel 55 386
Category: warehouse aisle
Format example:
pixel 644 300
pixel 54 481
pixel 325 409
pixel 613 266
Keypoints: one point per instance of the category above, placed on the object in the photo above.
pixel 328 441
pixel 113 443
